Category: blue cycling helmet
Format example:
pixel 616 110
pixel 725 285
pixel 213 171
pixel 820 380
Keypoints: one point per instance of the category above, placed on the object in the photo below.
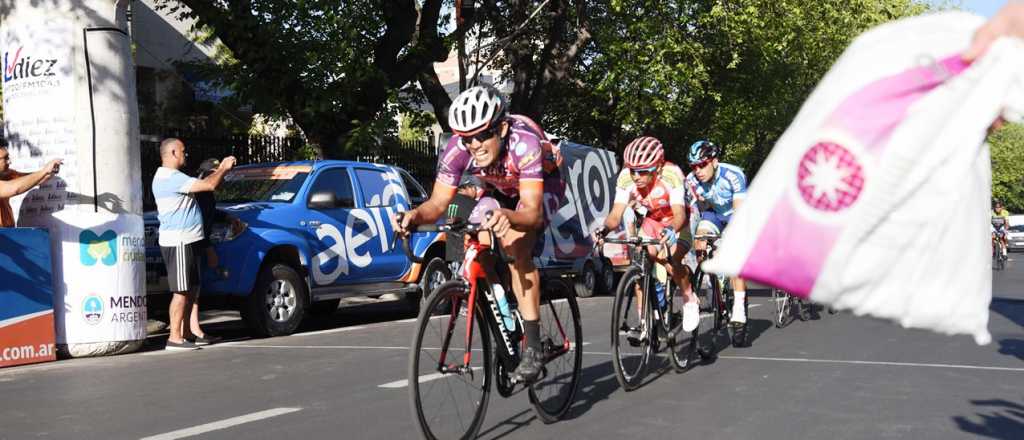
pixel 702 150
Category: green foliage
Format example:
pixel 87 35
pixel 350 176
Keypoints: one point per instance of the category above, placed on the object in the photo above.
pixel 307 152
pixel 341 70
pixel 414 126
pixel 734 72
pixel 1008 166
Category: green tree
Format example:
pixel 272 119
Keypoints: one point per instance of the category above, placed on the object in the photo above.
pixel 536 45
pixel 1008 166
pixel 341 70
pixel 735 72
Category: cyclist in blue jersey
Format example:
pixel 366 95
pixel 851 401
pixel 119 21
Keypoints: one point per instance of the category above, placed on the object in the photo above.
pixel 718 190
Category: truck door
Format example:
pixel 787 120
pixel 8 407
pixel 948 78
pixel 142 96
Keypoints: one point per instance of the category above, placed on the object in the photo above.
pixel 381 195
pixel 329 203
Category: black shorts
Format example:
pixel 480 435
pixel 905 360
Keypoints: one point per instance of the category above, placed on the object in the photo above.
pixel 182 263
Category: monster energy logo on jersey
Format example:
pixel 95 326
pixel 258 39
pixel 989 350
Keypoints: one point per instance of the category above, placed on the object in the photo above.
pixel 452 210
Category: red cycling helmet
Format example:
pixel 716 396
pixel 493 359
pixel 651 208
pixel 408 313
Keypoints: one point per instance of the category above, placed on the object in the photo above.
pixel 644 152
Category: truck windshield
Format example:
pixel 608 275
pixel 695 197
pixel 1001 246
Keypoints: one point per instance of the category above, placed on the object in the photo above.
pixel 263 184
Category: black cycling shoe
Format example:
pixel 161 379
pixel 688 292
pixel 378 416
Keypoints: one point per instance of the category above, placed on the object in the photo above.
pixel 530 366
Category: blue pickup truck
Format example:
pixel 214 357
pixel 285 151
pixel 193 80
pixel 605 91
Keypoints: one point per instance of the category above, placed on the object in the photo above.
pixel 300 236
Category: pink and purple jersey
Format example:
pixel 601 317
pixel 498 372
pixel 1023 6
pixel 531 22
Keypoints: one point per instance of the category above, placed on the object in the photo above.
pixel 523 160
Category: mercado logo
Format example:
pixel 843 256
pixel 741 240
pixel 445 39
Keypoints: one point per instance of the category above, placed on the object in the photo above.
pixel 95 248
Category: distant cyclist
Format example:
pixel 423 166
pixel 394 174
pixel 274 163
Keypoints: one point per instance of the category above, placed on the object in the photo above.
pixel 1000 224
pixel 657 188
pixel 507 152
pixel 718 189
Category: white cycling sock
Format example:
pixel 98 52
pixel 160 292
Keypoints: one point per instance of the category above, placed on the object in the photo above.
pixel 739 296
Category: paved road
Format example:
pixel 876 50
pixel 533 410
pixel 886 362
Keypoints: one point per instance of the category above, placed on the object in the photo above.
pixel 841 377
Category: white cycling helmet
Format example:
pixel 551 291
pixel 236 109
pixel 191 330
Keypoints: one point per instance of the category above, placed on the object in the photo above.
pixel 475 109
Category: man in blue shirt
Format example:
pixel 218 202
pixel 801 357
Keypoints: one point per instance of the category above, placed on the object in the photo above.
pixel 718 190
pixel 181 230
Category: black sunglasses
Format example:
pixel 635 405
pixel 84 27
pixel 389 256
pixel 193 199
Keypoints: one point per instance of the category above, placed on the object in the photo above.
pixel 482 136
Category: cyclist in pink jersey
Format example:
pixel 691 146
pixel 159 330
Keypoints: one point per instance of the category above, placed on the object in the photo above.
pixel 507 152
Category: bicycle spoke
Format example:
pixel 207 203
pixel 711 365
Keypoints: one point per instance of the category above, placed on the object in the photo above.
pixel 553 393
pixel 449 402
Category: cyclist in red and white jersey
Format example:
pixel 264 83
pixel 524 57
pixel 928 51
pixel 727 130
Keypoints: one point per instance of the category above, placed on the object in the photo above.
pixel 512 156
pixel 657 190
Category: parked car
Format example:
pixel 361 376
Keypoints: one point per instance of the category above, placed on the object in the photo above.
pixel 300 236
pixel 1015 236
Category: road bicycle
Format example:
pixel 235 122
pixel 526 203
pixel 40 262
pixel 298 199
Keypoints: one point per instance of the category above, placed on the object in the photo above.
pixel 451 375
pixel 644 319
pixel 786 306
pixel 998 254
pixel 716 298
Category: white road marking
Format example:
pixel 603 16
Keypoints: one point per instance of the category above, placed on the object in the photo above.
pixel 895 364
pixel 424 378
pixel 222 424
pixel 366 347
pixel 332 330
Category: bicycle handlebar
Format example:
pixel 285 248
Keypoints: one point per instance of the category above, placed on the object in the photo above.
pixel 638 241
pixel 455 225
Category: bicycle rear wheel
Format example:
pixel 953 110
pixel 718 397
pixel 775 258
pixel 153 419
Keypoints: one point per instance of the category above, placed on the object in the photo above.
pixel 682 345
pixel 783 307
pixel 631 347
pixel 561 338
pixel 447 397
pixel 707 286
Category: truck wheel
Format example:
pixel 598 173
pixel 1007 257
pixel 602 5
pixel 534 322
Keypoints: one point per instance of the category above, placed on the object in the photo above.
pixel 435 273
pixel 586 281
pixel 278 302
pixel 606 280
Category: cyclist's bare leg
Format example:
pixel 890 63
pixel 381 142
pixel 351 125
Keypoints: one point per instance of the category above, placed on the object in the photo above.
pixel 738 284
pixel 518 245
pixel 679 272
pixel 514 244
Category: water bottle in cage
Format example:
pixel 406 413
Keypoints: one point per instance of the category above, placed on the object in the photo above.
pixel 502 300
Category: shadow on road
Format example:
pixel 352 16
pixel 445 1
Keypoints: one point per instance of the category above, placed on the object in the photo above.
pixel 1012 309
pixel 597 383
pixel 228 325
pixel 508 426
pixel 1006 421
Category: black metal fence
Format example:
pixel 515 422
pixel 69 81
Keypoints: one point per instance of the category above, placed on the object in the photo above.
pixel 419 157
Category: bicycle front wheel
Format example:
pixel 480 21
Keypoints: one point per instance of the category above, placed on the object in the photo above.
pixel 449 366
pixel 707 289
pixel 631 323
pixel 562 341
pixel 682 345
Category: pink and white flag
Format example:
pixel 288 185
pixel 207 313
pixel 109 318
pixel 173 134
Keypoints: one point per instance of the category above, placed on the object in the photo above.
pixel 876 197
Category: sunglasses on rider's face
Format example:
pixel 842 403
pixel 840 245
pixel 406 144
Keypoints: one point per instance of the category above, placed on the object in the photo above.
pixel 642 171
pixel 479 137
pixel 699 165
